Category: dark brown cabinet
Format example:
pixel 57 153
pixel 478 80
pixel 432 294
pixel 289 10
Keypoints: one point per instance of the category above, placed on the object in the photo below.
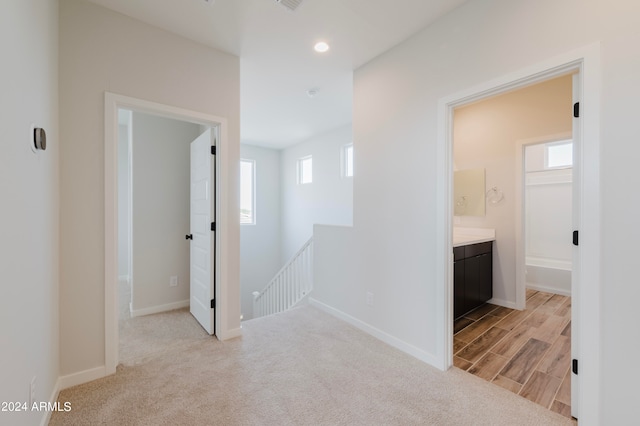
pixel 472 277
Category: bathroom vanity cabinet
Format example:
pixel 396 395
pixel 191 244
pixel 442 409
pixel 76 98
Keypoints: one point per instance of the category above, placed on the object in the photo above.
pixel 472 276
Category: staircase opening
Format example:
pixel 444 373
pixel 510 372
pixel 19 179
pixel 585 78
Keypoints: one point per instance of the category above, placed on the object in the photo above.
pixel 290 287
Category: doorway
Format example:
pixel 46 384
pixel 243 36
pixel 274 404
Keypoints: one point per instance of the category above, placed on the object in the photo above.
pixel 523 351
pixel 113 103
pixel 585 63
pixel 154 209
pixel 545 214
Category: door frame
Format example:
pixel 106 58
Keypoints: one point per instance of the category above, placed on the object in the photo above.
pixel 586 62
pixel 520 221
pixel 113 102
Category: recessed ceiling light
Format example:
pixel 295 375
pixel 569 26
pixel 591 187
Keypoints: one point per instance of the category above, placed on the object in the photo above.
pixel 321 47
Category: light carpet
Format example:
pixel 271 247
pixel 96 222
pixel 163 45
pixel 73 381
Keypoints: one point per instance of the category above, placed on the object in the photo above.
pixel 302 367
pixel 142 338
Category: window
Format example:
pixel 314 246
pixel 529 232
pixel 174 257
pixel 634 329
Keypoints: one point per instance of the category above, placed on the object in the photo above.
pixel 305 170
pixel 347 160
pixel 558 154
pixel 247 192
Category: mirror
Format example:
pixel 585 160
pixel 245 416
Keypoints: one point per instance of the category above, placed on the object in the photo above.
pixel 468 192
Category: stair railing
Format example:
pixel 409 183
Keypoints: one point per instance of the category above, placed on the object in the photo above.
pixel 289 286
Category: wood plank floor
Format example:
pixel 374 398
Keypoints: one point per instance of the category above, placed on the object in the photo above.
pixel 527 352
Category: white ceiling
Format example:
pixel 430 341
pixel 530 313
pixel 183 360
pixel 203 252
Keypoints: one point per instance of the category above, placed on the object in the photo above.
pixel 275 46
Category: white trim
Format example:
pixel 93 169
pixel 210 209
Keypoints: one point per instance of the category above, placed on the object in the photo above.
pixel 229 334
pixel 300 169
pixel 521 278
pixel 112 102
pixel 253 189
pixel 160 308
pixel 110 236
pixel 52 399
pixel 65 382
pixel 344 161
pixel 548 263
pixel 587 61
pixel 123 278
pixel 502 302
pixel 546 289
pixel 130 205
pixel 559 176
pixel 378 334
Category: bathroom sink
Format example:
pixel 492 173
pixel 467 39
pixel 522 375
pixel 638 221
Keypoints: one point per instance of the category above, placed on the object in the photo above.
pixel 467 236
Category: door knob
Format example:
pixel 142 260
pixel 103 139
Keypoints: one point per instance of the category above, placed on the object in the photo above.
pixel 189 237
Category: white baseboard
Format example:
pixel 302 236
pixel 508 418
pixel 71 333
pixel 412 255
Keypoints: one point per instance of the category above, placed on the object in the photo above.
pixel 81 377
pixel 159 308
pixel 545 289
pixel 229 334
pixel 505 303
pixel 379 334
pixel 52 399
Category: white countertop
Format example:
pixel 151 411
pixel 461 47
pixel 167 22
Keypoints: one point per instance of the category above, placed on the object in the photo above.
pixel 466 236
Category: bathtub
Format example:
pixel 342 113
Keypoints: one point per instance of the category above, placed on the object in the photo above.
pixel 549 275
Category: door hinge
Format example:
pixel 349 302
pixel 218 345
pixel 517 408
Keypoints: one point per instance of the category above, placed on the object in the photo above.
pixel 576 109
pixel 575 238
pixel 574 366
pixel 213 305
pixel 213 226
pixel 213 150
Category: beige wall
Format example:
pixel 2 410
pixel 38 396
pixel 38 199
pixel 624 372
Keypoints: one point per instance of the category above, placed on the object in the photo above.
pixel 103 51
pixel 29 194
pixel 485 135
pixel 161 181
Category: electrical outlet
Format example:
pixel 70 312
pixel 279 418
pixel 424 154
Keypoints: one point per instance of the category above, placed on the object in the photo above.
pixel 173 281
pixel 369 298
pixel 32 391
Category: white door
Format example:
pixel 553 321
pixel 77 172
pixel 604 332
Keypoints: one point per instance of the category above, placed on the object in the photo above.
pixel 202 263
pixel 575 264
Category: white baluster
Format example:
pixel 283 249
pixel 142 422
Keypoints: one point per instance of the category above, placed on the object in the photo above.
pixel 284 284
pixel 297 288
pixel 303 277
pixel 306 268
pixel 308 272
pixel 271 301
pixel 280 291
pixel 294 269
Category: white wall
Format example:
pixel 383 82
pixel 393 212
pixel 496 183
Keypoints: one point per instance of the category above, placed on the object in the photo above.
pixel 548 209
pixel 486 135
pixel 396 96
pixel 161 205
pixel 260 242
pixel 327 200
pixel 548 223
pixel 548 215
pixel 100 51
pixel 29 190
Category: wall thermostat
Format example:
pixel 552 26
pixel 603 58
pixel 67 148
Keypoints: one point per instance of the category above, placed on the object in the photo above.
pixel 39 138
